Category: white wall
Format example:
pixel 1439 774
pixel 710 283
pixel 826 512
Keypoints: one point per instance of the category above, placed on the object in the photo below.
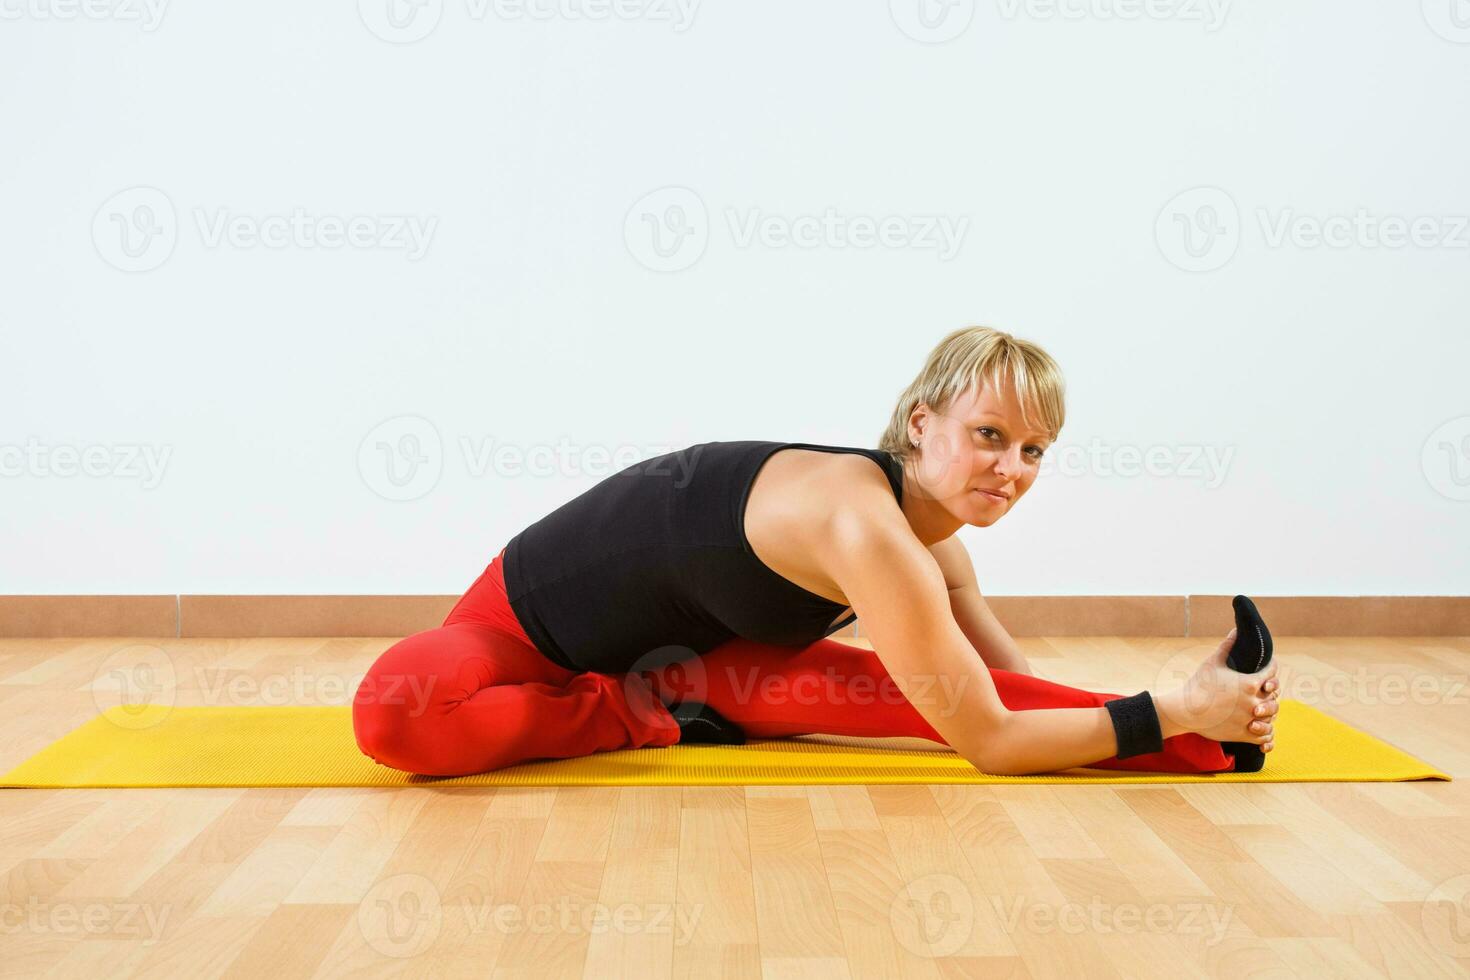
pixel 1055 139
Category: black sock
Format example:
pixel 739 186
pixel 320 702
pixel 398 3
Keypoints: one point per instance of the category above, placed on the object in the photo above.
pixel 1251 652
pixel 699 723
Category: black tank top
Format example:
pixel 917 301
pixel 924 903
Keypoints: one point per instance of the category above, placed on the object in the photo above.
pixel 652 564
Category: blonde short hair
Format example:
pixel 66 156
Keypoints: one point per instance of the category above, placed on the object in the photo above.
pixel 972 355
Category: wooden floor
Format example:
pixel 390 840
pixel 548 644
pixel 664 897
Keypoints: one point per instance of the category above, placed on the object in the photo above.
pixel 1310 880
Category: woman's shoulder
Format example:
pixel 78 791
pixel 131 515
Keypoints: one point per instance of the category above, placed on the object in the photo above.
pixel 806 485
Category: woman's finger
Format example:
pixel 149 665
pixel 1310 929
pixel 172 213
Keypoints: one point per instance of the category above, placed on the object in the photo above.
pixel 1222 652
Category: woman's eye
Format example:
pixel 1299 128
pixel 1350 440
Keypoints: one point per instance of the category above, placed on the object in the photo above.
pixel 988 433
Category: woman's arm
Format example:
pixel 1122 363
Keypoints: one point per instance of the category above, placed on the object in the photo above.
pixel 970 611
pixel 897 589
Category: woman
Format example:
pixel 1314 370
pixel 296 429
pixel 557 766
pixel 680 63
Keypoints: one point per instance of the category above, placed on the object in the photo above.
pixel 688 598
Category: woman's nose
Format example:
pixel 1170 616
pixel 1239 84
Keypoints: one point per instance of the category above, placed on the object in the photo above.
pixel 1007 463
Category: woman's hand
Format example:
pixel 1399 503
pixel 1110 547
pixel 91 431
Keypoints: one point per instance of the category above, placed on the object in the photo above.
pixel 1223 704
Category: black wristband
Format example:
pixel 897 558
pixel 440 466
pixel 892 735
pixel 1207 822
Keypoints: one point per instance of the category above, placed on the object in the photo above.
pixel 1136 723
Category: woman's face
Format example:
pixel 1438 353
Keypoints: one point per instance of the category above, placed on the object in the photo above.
pixel 978 442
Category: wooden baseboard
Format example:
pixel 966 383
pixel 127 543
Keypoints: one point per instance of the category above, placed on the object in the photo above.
pixel 89 615
pixel 401 615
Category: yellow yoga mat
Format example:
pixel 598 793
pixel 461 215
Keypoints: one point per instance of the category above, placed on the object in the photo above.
pixel 143 746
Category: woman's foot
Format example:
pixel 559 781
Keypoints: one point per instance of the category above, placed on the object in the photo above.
pixel 1251 652
pixel 701 724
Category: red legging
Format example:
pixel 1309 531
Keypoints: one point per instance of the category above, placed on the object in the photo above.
pixel 475 695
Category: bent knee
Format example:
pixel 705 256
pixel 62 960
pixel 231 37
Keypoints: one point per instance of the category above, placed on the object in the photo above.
pixel 396 701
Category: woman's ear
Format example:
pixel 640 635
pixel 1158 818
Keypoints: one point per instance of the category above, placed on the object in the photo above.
pixel 918 418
